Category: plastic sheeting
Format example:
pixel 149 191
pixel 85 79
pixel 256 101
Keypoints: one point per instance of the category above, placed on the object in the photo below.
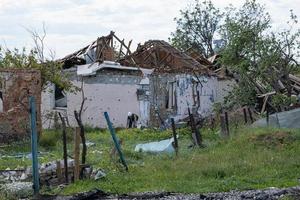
pixel 287 119
pixel 164 146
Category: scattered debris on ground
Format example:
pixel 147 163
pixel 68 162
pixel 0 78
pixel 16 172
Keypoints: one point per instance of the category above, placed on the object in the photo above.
pixel 18 189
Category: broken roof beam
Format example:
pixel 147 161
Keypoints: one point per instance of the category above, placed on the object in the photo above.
pixel 122 43
pixel 129 44
pixel 120 51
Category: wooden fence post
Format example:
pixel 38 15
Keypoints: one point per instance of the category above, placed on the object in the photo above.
pixel 195 132
pixel 227 123
pixel 250 115
pixel 245 115
pixel 223 125
pixel 59 172
pixel 76 153
pixel 34 146
pixel 174 136
pixel 64 147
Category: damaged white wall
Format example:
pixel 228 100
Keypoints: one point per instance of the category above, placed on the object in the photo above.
pixel 118 94
pixel 188 97
pixel 116 99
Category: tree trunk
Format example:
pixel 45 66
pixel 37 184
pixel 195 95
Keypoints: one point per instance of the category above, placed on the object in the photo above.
pixel 82 135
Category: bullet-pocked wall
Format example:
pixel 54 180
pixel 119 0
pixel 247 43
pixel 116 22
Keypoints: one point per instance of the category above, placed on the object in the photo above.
pixel 15 88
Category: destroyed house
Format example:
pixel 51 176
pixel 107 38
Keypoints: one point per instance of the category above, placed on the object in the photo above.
pixel 155 82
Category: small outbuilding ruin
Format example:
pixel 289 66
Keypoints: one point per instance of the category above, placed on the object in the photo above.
pixel 16 85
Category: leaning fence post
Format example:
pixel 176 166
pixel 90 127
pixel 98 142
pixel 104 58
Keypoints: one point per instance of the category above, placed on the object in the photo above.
pixel 34 146
pixel 175 136
pixel 195 132
pixel 245 115
pixel 115 139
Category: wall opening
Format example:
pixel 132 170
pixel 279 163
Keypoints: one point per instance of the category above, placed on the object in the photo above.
pixel 60 97
pixel 171 96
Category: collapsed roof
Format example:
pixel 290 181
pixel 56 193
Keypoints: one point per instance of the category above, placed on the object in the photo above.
pixel 163 57
pixel 104 48
pixel 154 54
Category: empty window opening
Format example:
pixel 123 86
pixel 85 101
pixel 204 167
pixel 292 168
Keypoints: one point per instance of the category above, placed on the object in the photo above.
pixel 60 97
pixel 171 97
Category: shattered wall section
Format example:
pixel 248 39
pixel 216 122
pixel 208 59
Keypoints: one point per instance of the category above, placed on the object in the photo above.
pixel 188 93
pixel 16 86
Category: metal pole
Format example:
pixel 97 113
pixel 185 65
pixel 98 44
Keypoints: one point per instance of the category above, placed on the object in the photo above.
pixel 115 139
pixel 34 146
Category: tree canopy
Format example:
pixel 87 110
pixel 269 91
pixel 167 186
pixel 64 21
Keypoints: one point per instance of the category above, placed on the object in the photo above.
pixel 251 49
pixel 196 27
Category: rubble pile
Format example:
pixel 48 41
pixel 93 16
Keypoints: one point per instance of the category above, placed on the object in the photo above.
pixel 50 174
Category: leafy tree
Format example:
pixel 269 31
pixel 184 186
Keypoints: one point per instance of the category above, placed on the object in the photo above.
pixel 196 28
pixel 263 59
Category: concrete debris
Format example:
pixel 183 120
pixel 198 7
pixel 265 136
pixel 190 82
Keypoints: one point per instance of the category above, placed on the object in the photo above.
pixel 18 189
pixel 49 173
pixel 8 176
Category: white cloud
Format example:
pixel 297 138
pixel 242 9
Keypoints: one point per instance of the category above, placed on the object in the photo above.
pixel 71 24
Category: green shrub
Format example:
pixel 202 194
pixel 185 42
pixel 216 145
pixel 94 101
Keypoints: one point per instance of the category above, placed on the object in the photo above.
pixel 49 139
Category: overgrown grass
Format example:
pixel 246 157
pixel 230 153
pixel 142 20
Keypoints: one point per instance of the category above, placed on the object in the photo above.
pixel 252 158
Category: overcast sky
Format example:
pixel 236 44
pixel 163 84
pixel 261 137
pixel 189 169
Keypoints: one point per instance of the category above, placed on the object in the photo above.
pixel 72 24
